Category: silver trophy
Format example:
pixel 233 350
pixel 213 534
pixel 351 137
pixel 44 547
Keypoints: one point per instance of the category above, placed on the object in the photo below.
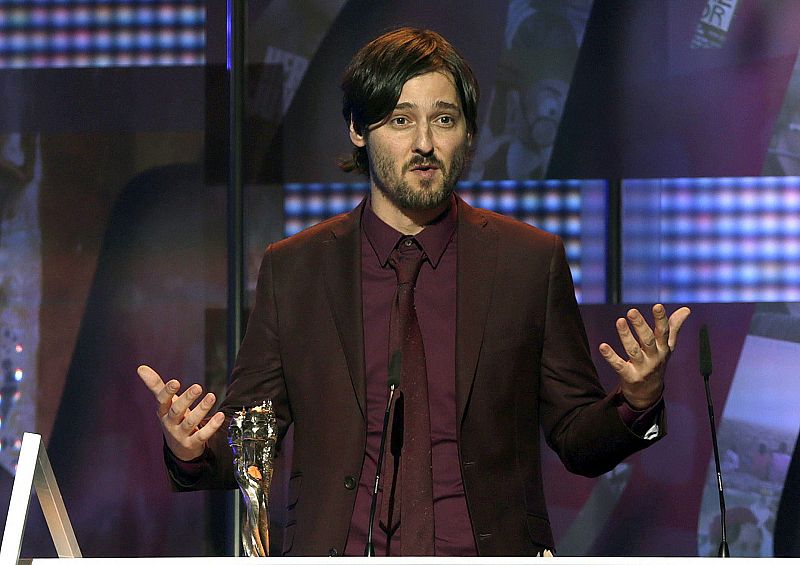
pixel 253 436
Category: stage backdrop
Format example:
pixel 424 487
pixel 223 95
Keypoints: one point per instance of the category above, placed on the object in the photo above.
pixel 112 165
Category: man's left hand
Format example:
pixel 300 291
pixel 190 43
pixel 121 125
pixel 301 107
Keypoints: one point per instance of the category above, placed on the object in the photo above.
pixel 642 375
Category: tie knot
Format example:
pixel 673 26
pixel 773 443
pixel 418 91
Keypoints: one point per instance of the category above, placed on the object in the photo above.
pixel 406 260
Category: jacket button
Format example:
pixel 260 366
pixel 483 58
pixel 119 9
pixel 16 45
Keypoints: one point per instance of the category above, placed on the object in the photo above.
pixel 350 482
pixel 333 552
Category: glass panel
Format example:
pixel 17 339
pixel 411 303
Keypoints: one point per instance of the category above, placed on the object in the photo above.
pixel 112 252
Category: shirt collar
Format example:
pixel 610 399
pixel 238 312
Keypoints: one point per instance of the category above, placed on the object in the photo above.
pixel 433 239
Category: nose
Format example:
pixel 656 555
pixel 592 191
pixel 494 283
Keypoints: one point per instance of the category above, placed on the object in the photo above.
pixel 423 140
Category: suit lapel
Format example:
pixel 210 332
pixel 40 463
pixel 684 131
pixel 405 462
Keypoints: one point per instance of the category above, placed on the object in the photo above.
pixel 477 258
pixel 342 276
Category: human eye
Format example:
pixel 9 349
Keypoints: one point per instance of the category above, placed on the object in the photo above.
pixel 399 121
pixel 446 120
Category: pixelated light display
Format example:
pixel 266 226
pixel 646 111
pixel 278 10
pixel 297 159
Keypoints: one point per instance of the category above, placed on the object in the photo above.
pixel 92 33
pixel 10 394
pixel 712 239
pixel 572 209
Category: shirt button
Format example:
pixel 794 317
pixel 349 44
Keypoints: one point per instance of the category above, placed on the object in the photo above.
pixel 408 243
pixel 333 552
pixel 350 482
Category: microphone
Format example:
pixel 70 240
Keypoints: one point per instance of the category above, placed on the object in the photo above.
pixel 705 353
pixel 394 382
pixel 705 370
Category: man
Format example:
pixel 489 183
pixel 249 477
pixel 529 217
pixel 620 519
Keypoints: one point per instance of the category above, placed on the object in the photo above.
pixel 493 305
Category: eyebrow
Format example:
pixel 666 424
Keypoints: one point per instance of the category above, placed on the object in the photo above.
pixel 438 104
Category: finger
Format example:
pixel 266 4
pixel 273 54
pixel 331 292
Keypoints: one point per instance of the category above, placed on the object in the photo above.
pixel 676 321
pixel 166 396
pixel 182 403
pixel 150 378
pixel 661 326
pixel 647 339
pixel 214 423
pixel 617 363
pixel 194 416
pixel 628 341
pixel 164 393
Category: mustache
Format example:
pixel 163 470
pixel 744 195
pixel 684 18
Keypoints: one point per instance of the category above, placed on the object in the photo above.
pixel 420 161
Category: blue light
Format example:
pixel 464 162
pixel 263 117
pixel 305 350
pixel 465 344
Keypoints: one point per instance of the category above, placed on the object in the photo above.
pixel 81 17
pixel 145 17
pixel 531 202
pixel 229 34
pixel 191 16
pixel 487 201
pixel 293 205
pixel 508 203
pixel 315 205
pixel 552 201
pixel 338 204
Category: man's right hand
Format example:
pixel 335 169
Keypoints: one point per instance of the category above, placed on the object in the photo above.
pixel 178 419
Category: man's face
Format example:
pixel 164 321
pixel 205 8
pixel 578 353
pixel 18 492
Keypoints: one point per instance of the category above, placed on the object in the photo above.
pixel 542 106
pixel 416 155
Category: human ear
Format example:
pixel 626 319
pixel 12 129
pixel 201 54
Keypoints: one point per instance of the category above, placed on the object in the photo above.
pixel 357 138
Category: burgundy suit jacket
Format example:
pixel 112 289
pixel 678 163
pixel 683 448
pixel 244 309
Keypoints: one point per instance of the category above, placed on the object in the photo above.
pixel 522 361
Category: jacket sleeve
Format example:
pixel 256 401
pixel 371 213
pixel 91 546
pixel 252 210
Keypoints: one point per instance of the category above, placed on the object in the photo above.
pixel 581 422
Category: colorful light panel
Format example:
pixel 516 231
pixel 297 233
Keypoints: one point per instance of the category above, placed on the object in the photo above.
pixel 572 209
pixel 90 33
pixel 712 239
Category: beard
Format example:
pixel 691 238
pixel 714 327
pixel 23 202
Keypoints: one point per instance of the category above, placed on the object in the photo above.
pixel 431 193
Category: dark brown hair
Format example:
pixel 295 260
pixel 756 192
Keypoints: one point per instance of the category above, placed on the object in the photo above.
pixel 375 77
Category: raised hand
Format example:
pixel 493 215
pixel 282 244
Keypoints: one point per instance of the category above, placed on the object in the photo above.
pixel 642 374
pixel 179 420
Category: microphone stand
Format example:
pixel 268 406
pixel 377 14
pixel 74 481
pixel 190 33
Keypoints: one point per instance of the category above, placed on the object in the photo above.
pixel 705 369
pixel 394 381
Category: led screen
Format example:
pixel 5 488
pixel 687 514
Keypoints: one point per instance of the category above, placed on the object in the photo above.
pixel 572 209
pixel 83 33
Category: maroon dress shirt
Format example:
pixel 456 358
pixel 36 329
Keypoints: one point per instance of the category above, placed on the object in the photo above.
pixel 435 301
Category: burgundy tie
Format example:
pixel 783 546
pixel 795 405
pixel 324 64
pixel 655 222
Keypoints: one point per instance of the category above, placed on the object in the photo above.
pixel 416 490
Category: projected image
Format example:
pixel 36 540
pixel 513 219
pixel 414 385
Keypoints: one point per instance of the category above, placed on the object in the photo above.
pixel 81 33
pixel 783 156
pixel 757 433
pixel 541 46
